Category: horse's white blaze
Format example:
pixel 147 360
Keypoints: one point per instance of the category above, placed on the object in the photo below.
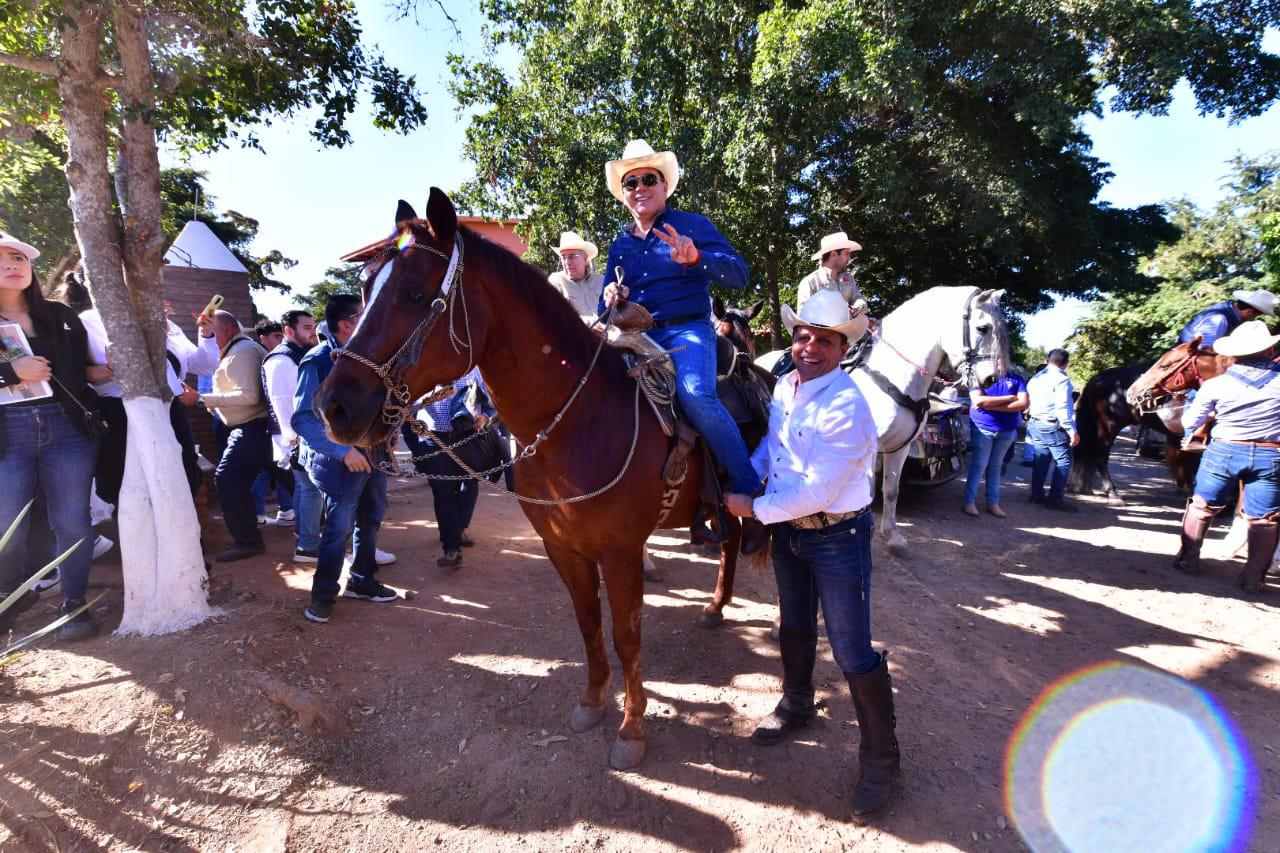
pixel 374 293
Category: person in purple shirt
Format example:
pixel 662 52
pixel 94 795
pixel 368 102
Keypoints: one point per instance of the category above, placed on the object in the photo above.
pixel 666 260
pixel 994 414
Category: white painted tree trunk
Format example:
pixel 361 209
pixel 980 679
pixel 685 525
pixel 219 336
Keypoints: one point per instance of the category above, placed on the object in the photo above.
pixel 159 532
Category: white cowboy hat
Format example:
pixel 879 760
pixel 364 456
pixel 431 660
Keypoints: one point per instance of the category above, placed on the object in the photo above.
pixel 571 241
pixel 826 309
pixel 831 242
pixel 1248 338
pixel 640 155
pixel 1260 299
pixel 8 241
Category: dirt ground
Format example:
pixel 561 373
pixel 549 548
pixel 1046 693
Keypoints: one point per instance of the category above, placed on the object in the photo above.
pixel 441 720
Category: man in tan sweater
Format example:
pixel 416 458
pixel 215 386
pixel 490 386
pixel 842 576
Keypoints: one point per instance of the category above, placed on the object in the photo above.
pixel 239 402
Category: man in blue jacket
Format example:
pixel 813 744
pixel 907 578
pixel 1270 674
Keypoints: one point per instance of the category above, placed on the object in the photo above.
pixel 355 495
pixel 666 260
pixel 1222 318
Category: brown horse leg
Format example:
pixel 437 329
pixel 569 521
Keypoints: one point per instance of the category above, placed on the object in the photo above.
pixel 713 614
pixel 582 579
pixel 624 580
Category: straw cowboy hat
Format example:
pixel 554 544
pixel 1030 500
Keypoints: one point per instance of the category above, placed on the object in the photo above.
pixel 832 242
pixel 571 241
pixel 1248 338
pixel 8 241
pixel 1260 299
pixel 826 309
pixel 640 155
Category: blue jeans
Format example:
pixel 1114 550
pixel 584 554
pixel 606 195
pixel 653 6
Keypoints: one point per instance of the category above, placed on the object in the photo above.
pixel 831 566
pixel 284 497
pixel 360 508
pixel 247 454
pixel 308 506
pixel 1224 466
pixel 693 347
pixel 42 447
pixel 1052 446
pixel 989 450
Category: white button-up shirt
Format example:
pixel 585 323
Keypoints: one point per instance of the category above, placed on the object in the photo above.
pixel 820 453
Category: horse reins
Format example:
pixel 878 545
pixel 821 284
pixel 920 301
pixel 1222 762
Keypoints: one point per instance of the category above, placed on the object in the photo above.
pixel 1148 401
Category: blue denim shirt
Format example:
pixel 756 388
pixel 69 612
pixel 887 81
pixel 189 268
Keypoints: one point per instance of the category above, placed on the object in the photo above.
pixel 668 289
pixel 1214 322
pixel 317 453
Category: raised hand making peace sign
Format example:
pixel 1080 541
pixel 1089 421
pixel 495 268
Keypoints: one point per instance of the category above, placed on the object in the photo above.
pixel 682 249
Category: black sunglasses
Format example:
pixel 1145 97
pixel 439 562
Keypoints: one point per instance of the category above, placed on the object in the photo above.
pixel 649 179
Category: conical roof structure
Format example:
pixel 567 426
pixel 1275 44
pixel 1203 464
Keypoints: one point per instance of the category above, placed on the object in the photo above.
pixel 198 247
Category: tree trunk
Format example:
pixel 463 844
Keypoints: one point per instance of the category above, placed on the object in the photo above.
pixel 159 532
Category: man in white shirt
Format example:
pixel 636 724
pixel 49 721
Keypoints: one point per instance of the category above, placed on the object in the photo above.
pixel 577 281
pixel 819 458
pixel 835 253
pixel 1051 431
pixel 280 379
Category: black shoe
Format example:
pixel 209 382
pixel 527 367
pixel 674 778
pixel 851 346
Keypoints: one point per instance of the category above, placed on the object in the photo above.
pixel 369 589
pixel 754 536
pixel 80 627
pixel 239 552
pixel 466 541
pixel 1061 506
pixel 23 604
pixel 302 555
pixel 1036 500
pixel 450 560
pixel 318 611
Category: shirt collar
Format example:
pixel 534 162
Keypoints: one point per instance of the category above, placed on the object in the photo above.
pixel 813 386
pixel 630 227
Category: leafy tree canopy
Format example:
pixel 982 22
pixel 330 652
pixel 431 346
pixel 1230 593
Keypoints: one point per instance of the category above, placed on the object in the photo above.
pixel 944 137
pixel 343 279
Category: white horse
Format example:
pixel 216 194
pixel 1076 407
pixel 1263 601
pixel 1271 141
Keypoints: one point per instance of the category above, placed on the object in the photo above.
pixel 960 328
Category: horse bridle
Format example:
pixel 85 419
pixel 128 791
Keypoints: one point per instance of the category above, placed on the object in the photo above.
pixel 971 355
pixel 397 407
pixel 1149 400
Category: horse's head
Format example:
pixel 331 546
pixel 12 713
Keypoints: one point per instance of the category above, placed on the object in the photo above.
pixel 416 331
pixel 1174 373
pixel 735 324
pixel 978 346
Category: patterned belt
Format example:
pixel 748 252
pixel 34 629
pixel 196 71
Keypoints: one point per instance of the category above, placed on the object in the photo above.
pixel 822 520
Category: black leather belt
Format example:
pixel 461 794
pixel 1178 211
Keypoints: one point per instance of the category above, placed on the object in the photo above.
pixel 676 321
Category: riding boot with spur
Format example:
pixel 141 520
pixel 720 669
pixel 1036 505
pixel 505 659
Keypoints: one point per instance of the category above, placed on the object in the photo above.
pixel 796 710
pixel 1195 524
pixel 1264 535
pixel 878 757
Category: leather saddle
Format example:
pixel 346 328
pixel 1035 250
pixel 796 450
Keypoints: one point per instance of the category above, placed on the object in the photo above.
pixel 744 389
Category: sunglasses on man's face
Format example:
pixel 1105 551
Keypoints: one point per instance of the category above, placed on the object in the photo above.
pixel 632 183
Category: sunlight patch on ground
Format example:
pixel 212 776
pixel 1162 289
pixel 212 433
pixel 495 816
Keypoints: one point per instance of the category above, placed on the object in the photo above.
pixel 1121 538
pixel 525 554
pixel 511 664
pixel 1019 614
pixel 1191 662
pixel 685 692
pixel 757 682
pixel 296 577
pixel 449 599
pixel 658 599
pixel 1161 521
pixel 683 555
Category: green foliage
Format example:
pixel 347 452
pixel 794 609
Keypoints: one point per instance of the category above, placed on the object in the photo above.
pixel 33 195
pixel 1219 252
pixel 344 279
pixel 944 137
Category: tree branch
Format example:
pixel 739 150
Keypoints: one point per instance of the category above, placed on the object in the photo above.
pixel 39 65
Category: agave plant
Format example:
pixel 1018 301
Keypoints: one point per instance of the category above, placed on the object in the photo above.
pixel 10 652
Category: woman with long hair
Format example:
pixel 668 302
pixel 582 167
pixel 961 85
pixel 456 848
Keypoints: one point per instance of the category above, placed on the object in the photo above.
pixel 47 438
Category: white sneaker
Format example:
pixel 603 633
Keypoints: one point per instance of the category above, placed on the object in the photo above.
pixel 285 518
pixel 302 556
pixel 101 545
pixel 47 583
pixel 262 520
pixel 381 557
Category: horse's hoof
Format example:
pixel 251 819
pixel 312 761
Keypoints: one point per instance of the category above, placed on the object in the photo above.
pixel 711 619
pixel 898 549
pixel 1116 500
pixel 652 575
pixel 585 717
pixel 627 753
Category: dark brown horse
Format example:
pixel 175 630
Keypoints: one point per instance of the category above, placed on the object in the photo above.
pixel 1125 396
pixel 440 299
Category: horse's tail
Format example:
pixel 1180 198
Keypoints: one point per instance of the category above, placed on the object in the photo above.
pixel 1086 457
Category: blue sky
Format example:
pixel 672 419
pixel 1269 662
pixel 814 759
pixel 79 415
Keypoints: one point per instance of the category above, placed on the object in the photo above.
pixel 314 204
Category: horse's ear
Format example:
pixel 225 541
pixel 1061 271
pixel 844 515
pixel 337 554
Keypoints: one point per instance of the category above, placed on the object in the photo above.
pixel 989 296
pixel 996 295
pixel 404 212
pixel 755 309
pixel 1195 344
pixel 717 307
pixel 441 216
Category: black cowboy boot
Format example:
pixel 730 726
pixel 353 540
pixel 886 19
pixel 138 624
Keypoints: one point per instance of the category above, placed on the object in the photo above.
pixel 796 710
pixel 1264 535
pixel 878 759
pixel 1195 524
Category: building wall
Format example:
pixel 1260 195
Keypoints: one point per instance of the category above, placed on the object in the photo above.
pixel 501 232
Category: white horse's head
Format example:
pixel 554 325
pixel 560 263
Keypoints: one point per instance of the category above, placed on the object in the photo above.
pixel 978 345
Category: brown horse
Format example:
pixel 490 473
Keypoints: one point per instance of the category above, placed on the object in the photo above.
pixel 440 299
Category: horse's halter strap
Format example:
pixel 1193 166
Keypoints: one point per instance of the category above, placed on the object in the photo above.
pixel 1179 378
pixel 970 354
pixel 397 406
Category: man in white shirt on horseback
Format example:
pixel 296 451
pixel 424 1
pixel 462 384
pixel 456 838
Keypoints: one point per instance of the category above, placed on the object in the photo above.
pixel 819 459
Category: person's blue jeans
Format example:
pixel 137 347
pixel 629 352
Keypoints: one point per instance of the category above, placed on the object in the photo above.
pixel 1052 447
pixel 693 352
pixel 831 567
pixel 359 509
pixel 41 446
pixel 284 497
pixel 454 501
pixel 308 505
pixel 1224 466
pixel 988 457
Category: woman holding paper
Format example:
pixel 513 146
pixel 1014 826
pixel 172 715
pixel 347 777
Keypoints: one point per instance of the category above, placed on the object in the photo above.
pixel 44 435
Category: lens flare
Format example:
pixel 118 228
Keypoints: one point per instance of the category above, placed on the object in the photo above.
pixel 1121 757
pixel 404 240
